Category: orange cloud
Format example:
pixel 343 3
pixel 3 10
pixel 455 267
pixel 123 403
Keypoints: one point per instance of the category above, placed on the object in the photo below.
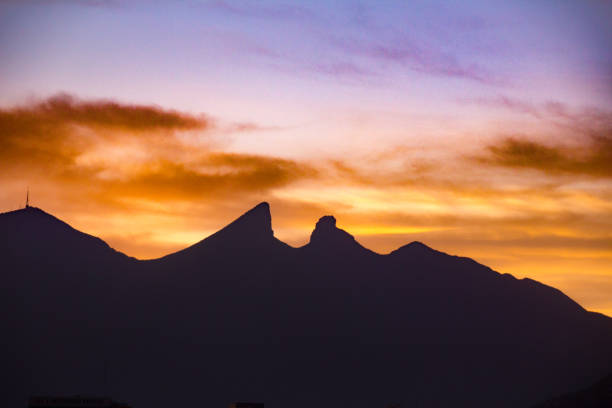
pixel 51 134
pixel 222 174
pixel 121 150
pixel 65 108
pixel 593 159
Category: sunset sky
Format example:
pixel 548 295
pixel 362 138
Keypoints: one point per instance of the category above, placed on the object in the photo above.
pixel 481 128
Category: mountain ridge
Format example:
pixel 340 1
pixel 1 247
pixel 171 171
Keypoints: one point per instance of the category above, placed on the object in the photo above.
pixel 258 216
pixel 249 317
pixel 256 223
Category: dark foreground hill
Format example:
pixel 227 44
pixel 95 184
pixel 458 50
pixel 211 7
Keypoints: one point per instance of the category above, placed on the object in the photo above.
pixel 243 316
pixel 598 395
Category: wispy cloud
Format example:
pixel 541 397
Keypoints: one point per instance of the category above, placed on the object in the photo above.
pixel 508 103
pixel 341 70
pixel 418 58
pixel 347 53
pixel 87 3
pixel 261 10
pixel 586 119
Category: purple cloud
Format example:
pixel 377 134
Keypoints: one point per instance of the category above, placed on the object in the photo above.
pixel 260 10
pixel 89 3
pixel 585 120
pixel 342 69
pixel 419 59
pixel 507 103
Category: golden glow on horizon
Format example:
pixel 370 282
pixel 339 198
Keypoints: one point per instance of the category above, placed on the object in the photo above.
pixel 152 181
pixel 383 230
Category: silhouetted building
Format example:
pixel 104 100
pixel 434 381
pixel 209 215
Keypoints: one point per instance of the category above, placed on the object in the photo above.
pixel 247 405
pixel 74 402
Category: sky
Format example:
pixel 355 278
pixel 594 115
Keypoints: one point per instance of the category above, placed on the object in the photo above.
pixel 481 128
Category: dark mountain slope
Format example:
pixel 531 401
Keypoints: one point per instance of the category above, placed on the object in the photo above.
pixel 57 295
pixel 598 395
pixel 32 233
pixel 251 232
pixel 241 315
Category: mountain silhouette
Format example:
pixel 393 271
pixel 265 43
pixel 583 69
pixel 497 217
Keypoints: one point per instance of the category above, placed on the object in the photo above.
pixel 33 232
pixel 252 231
pixel 241 315
pixel 327 237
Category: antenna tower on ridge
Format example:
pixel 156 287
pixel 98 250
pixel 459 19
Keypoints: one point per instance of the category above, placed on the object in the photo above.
pixel 27 197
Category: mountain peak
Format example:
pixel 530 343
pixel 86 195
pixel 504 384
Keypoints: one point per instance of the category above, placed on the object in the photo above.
pixel 415 248
pixel 31 230
pixel 29 217
pixel 255 222
pixel 252 231
pixel 260 211
pixel 327 222
pixel 23 211
pixel 326 234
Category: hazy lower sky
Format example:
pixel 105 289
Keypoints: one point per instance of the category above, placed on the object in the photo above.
pixel 482 128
